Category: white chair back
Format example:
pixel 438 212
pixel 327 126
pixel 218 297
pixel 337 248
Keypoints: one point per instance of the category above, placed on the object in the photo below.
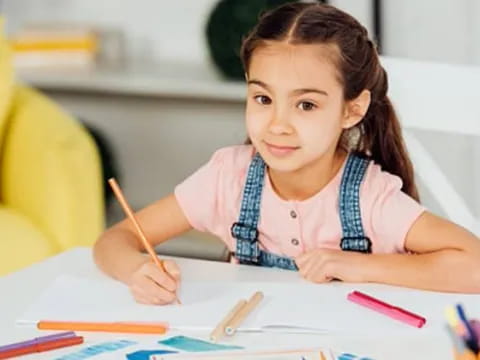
pixel 441 98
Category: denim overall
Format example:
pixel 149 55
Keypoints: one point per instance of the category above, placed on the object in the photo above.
pixel 245 229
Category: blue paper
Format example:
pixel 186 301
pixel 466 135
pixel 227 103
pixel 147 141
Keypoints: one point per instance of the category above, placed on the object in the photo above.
pixel 195 345
pixel 145 354
pixel 93 350
pixel 347 356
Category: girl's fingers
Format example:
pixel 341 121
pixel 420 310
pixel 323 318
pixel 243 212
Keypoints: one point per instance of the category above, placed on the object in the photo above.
pixel 148 288
pixel 315 271
pixel 172 269
pixel 302 259
pixel 308 266
pixel 307 257
pixel 160 277
pixel 142 299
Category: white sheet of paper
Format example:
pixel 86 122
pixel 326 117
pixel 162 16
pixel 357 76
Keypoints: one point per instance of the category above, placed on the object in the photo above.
pixel 285 308
pixel 249 355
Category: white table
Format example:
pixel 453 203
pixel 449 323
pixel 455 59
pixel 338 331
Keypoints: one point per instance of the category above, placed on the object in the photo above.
pixel 18 290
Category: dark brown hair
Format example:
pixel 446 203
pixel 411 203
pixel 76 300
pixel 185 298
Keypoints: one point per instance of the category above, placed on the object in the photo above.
pixel 378 135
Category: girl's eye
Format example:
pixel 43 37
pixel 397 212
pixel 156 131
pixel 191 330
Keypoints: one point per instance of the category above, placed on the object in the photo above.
pixel 306 106
pixel 262 99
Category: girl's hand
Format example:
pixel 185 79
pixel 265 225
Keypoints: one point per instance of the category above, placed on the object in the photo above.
pixel 152 286
pixel 324 265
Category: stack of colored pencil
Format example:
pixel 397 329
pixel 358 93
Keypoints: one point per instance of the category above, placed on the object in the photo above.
pixel 465 333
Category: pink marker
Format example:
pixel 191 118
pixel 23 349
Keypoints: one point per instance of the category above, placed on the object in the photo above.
pixel 387 309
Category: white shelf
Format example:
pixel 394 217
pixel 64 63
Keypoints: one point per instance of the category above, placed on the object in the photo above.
pixel 162 80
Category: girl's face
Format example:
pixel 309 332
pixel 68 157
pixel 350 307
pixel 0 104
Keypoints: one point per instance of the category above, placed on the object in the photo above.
pixel 295 110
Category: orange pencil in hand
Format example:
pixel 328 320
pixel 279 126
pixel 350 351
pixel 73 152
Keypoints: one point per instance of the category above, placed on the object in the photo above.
pixel 128 211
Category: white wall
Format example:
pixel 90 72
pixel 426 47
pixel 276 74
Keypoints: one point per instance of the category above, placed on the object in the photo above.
pixel 440 30
pixel 154 29
pixel 361 9
pixel 475 30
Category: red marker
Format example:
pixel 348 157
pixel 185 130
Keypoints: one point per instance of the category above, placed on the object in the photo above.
pixel 46 346
pixel 387 309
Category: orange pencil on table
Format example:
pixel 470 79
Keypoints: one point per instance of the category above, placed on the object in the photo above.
pixel 128 211
pixel 111 327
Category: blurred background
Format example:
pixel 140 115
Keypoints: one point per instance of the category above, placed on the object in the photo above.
pixel 158 86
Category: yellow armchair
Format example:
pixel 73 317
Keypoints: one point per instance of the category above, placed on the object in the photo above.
pixel 51 194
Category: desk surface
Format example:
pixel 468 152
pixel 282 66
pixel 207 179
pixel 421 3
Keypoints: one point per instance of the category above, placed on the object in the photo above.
pixel 22 288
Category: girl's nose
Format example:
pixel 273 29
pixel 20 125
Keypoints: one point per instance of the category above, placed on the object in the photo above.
pixel 279 124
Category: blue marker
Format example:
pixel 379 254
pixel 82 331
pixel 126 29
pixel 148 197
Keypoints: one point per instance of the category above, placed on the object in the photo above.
pixel 472 340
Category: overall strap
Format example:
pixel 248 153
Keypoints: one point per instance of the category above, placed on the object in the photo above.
pixel 354 238
pixel 268 259
pixel 245 230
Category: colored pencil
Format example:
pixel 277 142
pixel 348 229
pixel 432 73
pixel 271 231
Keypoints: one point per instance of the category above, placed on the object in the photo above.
pixel 37 340
pixel 244 311
pixel 110 327
pixel 41 347
pixel 219 331
pixel 130 214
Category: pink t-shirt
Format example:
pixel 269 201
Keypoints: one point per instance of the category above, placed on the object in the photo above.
pixel 211 198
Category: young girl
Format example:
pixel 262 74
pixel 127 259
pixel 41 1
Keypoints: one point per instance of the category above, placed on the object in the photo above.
pixel 325 185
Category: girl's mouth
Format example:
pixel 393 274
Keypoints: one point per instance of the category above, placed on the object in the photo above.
pixel 280 150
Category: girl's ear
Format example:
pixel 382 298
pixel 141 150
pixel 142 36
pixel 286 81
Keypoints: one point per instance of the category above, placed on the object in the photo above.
pixel 356 109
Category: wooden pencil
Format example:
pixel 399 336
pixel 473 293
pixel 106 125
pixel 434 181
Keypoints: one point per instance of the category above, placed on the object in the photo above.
pixel 219 331
pixel 240 316
pixel 129 212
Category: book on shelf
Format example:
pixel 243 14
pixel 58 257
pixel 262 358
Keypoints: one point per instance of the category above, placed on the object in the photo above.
pixel 55 45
